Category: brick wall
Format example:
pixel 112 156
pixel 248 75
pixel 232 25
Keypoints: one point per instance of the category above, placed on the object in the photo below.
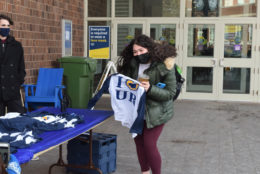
pixel 37 24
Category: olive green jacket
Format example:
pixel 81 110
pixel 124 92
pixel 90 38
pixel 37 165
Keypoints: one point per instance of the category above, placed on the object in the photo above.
pixel 159 103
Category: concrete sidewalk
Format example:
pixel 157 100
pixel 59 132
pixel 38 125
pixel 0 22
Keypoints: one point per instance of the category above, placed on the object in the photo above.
pixel 204 137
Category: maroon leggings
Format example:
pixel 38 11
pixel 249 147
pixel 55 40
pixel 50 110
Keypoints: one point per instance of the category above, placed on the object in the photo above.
pixel 148 155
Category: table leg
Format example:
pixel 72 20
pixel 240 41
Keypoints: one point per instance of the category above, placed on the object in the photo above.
pixel 90 164
pixel 60 161
pixel 2 168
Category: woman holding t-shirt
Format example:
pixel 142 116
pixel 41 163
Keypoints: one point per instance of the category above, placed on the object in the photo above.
pixel 145 57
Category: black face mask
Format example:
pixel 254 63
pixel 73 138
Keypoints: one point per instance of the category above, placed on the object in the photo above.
pixel 143 58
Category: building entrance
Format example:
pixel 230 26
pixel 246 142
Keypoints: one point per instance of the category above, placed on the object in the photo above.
pixel 217 41
pixel 218 60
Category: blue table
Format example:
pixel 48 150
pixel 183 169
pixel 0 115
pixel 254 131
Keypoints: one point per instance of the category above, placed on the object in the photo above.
pixel 52 139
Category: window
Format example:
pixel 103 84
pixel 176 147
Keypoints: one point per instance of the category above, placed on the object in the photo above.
pixel 216 8
pixel 147 8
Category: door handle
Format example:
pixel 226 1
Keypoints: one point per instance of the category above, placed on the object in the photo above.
pixel 221 62
pixel 214 62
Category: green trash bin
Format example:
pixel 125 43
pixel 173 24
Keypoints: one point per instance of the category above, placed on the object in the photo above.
pixel 78 79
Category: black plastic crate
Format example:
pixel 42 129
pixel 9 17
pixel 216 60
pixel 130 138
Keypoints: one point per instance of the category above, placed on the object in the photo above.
pixel 103 153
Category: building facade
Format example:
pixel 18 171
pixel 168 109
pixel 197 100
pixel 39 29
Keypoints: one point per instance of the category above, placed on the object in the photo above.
pixel 218 41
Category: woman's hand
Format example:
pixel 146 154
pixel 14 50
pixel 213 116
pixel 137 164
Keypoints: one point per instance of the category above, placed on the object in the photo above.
pixel 145 85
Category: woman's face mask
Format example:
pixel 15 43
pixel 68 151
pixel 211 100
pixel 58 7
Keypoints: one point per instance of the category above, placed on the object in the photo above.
pixel 143 58
pixel 141 54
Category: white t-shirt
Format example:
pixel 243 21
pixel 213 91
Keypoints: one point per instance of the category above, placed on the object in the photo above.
pixel 127 100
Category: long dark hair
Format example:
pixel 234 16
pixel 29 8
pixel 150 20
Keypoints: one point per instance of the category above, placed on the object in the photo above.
pixel 126 56
pixel 164 50
pixel 158 52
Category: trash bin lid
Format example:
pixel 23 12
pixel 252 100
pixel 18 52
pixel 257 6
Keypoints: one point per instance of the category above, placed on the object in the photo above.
pixel 92 63
pixel 75 59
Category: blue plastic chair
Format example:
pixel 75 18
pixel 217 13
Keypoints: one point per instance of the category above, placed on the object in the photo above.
pixel 47 91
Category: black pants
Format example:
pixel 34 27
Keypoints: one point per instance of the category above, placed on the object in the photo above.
pixel 12 106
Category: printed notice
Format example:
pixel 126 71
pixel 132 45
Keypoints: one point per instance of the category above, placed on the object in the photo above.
pixel 99 42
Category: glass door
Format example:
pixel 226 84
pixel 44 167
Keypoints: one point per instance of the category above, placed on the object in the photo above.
pixel 200 60
pixel 164 30
pixel 219 60
pixel 237 61
pixel 124 33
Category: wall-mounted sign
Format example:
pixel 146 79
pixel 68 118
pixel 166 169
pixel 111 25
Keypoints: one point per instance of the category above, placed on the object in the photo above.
pixel 66 37
pixel 99 42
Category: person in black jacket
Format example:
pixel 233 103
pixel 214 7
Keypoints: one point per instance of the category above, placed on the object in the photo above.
pixel 12 69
